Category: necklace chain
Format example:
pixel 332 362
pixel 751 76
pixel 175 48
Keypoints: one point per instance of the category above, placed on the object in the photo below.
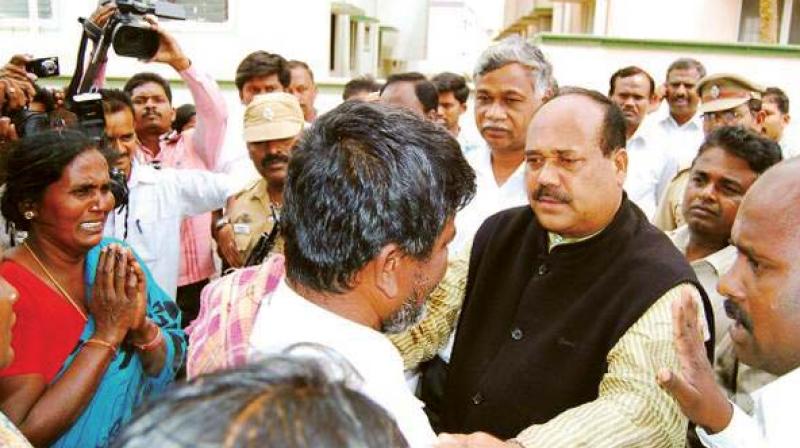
pixel 55 282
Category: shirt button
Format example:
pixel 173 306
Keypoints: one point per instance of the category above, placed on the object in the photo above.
pixel 516 334
pixel 543 269
pixel 477 399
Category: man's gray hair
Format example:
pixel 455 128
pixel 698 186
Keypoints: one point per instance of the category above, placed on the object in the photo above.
pixel 514 49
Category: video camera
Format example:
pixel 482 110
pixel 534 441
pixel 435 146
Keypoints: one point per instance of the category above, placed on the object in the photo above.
pixel 132 36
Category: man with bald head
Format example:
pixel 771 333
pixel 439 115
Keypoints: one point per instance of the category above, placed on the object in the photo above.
pixel 763 292
pixel 566 316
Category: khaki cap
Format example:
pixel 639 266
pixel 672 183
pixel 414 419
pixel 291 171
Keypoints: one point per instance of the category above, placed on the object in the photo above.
pixel 723 91
pixel 272 116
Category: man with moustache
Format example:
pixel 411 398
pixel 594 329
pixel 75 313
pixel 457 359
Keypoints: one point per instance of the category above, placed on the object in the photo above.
pixel 272 124
pixel 650 167
pixel 682 129
pixel 512 80
pixel 370 197
pixel 727 164
pixel 725 100
pixel 566 316
pixel 303 88
pixel 763 292
pixel 158 199
pixel 198 148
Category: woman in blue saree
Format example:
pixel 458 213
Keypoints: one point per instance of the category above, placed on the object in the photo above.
pixel 95 335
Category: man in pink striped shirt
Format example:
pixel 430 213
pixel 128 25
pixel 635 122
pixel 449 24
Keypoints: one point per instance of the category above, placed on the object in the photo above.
pixel 198 148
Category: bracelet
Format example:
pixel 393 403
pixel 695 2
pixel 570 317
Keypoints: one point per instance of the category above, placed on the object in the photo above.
pixel 102 343
pixel 153 343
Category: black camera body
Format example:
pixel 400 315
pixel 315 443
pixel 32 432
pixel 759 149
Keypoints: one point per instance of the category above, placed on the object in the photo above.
pixel 44 67
pixel 88 109
pixel 133 36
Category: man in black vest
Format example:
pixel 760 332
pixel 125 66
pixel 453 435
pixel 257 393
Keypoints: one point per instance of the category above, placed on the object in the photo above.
pixel 566 318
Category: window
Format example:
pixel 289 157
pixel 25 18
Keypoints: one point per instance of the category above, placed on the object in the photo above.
pixel 26 9
pixel 787 16
pixel 210 11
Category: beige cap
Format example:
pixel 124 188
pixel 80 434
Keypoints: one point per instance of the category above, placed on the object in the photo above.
pixel 723 91
pixel 272 116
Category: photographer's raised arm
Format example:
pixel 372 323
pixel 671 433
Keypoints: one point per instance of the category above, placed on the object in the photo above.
pixel 212 114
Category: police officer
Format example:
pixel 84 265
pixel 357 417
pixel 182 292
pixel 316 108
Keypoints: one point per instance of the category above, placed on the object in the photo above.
pixel 250 228
pixel 725 100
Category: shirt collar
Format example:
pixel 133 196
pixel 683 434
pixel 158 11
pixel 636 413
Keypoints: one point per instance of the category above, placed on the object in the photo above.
pixel 695 122
pixel 554 239
pixel 721 260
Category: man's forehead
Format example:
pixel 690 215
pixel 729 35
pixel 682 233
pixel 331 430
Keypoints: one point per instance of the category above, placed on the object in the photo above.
pixel 684 74
pixel 149 88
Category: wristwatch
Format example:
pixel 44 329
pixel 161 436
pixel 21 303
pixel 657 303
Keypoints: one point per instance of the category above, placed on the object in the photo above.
pixel 222 222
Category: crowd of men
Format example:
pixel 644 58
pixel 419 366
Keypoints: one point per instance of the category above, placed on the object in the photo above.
pixel 598 269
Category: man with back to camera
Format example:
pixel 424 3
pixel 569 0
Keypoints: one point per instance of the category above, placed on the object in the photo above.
pixel 566 316
pixel 762 289
pixel 650 166
pixel 370 198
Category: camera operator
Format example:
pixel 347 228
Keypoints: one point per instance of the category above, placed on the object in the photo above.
pixel 16 92
pixel 199 148
pixel 158 199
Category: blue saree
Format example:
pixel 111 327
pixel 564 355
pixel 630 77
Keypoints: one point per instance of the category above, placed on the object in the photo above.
pixel 125 384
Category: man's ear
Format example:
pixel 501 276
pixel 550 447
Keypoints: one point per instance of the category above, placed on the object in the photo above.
pixel 387 269
pixel 621 164
pixel 173 114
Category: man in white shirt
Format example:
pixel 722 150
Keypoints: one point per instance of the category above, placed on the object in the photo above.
pixel 650 166
pixel 763 291
pixel 512 80
pixel 159 199
pixel 682 129
pixel 369 203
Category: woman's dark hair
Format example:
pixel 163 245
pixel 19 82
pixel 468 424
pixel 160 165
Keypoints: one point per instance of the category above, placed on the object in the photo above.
pixel 758 151
pixel 366 175
pixel 35 162
pixel 284 401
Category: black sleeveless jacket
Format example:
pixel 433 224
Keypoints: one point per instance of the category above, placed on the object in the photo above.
pixel 536 326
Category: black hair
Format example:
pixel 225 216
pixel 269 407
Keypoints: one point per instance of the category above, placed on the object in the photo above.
pixel 363 176
pixel 115 100
pixel 182 116
pixel 758 151
pixel 777 96
pixel 33 164
pixel 147 77
pixel 687 64
pixel 612 135
pixel 262 63
pixel 280 401
pixel 451 82
pixel 360 84
pixel 426 92
pixel 294 63
pixel 628 72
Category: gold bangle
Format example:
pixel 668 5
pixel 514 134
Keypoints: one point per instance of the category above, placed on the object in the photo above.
pixel 102 343
pixel 153 343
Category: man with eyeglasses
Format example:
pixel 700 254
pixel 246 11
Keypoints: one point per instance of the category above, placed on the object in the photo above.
pixel 725 100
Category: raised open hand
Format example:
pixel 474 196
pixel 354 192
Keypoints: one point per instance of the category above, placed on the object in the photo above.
pixel 694 387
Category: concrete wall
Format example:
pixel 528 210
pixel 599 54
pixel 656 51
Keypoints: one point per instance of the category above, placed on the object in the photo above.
pixel 703 20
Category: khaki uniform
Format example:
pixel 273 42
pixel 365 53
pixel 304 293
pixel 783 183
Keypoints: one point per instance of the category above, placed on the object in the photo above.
pixel 669 215
pixel 251 216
